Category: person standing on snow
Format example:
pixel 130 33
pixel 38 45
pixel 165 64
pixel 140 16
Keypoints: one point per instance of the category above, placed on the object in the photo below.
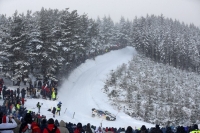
pixel 54 111
pixel 53 95
pixel 59 107
pixel 38 106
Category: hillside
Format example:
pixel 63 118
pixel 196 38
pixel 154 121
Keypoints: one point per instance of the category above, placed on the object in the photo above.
pixel 155 92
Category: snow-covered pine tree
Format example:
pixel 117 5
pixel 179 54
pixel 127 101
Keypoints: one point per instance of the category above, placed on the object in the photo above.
pixel 18 57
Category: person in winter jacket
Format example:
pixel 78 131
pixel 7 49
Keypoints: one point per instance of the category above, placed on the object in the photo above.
pixel 54 111
pixel 169 130
pixel 129 129
pixel 56 123
pixel 51 126
pixel 23 93
pixel 18 92
pixel 4 92
pixel 122 130
pixel 156 130
pixel 79 128
pixel 69 126
pixel 99 130
pixel 5 126
pixel 53 95
pixel 143 129
pixel 27 121
pixel 58 110
pixel 43 124
pixel 88 129
pixel 108 130
pixel 195 129
pixel 38 106
pixel 62 127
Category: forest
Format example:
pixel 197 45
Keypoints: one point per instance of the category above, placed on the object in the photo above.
pixel 51 42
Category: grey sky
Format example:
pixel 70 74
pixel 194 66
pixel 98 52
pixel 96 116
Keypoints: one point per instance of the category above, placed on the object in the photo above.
pixel 187 11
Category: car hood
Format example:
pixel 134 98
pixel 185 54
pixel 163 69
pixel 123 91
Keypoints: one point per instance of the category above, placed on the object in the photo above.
pixel 112 115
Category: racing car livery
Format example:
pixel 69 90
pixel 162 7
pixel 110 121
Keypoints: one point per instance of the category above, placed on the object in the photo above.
pixel 103 114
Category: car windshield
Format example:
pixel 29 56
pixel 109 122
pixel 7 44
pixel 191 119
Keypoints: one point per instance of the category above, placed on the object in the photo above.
pixel 107 112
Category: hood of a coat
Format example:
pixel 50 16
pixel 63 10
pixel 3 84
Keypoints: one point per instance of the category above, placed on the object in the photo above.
pixel 62 123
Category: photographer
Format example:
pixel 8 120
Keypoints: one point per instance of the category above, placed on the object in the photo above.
pixel 7 124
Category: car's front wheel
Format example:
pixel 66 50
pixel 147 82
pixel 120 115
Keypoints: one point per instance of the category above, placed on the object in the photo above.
pixel 107 118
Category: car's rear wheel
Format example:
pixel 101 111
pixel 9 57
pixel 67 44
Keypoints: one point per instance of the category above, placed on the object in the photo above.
pixel 107 118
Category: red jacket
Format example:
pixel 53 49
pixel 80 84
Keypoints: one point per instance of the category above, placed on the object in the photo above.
pixel 50 127
pixel 35 128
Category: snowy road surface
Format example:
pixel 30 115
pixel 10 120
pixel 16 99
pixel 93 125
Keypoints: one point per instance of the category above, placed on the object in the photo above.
pixel 82 91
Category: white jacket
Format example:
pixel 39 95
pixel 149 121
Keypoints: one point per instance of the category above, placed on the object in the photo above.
pixel 8 126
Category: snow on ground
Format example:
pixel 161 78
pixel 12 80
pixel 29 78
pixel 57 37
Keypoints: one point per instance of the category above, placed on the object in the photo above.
pixel 82 91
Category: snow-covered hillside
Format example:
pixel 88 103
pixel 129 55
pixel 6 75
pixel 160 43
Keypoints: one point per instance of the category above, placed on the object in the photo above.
pixel 82 91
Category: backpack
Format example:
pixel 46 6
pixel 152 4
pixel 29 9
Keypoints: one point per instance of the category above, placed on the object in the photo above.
pixel 53 130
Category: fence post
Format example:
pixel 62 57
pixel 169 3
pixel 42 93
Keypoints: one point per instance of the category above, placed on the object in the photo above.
pixel 65 110
pixel 73 115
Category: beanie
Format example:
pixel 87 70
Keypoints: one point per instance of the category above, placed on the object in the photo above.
pixel 51 121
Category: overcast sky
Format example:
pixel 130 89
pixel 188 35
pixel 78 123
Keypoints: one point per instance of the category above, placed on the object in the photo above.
pixel 187 11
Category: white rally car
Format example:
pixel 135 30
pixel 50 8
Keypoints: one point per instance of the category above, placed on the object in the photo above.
pixel 103 114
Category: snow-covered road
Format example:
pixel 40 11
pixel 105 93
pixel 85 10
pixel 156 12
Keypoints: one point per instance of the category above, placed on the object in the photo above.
pixel 83 89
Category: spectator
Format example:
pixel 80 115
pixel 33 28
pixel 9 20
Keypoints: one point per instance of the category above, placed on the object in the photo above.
pixel 99 130
pixel 54 111
pixel 43 124
pixel 122 130
pixel 143 129
pixel 169 130
pixel 62 127
pixel 156 130
pixel 180 129
pixel 56 123
pixel 79 128
pixel 51 127
pixel 38 106
pixel 195 129
pixel 129 129
pixel 26 123
pixel 5 126
pixel 88 129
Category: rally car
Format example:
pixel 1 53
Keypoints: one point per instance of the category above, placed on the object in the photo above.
pixel 103 114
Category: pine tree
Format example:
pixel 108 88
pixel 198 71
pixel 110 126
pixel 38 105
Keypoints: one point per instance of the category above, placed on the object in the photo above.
pixel 18 41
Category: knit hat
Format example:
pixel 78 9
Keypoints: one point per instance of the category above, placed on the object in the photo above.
pixel 51 121
pixel 5 119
